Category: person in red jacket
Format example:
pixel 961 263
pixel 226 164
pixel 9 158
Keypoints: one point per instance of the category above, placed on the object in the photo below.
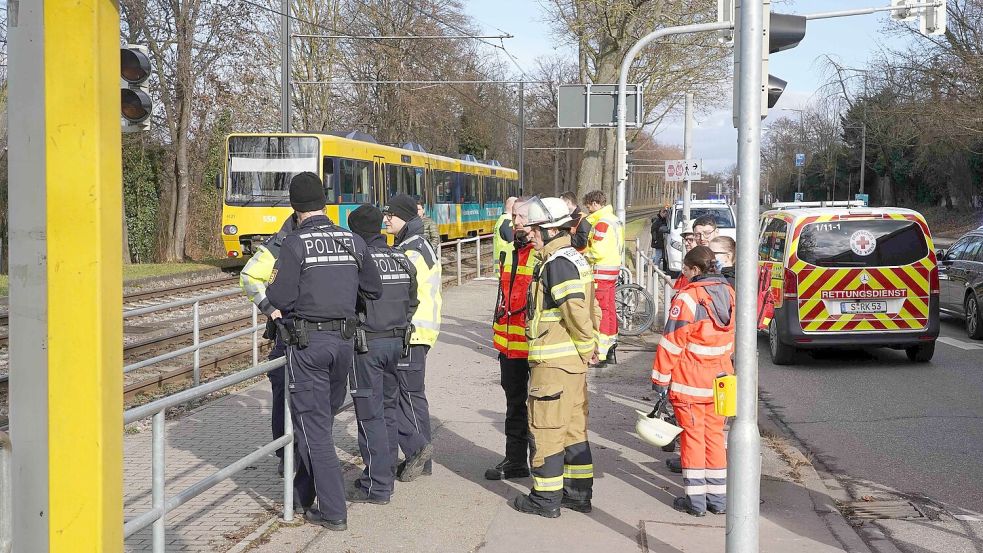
pixel 509 328
pixel 695 348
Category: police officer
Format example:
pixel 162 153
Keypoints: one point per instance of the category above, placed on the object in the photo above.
pixel 321 270
pixel 253 280
pixel 373 383
pixel 562 320
pixel 413 422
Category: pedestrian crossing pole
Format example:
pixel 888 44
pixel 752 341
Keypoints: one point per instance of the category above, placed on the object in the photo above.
pixel 65 275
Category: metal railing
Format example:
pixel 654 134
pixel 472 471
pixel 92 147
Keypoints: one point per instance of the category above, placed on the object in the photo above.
pixel 457 247
pixel 6 495
pixel 161 503
pixel 651 277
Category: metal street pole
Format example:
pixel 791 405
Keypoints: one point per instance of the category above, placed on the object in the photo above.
pixel 863 159
pixel 744 442
pixel 522 137
pixel 687 154
pixel 622 154
pixel 285 66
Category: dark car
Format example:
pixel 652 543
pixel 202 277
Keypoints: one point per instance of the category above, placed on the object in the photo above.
pixel 961 281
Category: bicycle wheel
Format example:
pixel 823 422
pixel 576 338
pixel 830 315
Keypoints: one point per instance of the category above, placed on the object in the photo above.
pixel 635 308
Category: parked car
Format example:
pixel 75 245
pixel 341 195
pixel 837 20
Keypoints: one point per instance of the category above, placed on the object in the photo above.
pixel 961 280
pixel 722 214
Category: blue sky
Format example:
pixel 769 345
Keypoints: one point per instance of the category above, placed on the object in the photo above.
pixel 850 41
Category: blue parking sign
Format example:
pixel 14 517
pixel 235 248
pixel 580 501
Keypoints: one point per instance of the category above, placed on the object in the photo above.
pixel 800 160
pixel 865 198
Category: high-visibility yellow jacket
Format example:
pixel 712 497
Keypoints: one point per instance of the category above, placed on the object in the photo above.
pixel 563 311
pixel 605 244
pixel 426 318
pixel 255 275
pixel 499 243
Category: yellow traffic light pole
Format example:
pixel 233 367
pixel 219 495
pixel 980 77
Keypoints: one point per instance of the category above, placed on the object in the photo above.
pixel 65 275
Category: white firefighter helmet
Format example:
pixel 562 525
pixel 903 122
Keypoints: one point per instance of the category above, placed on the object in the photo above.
pixel 547 212
pixel 654 429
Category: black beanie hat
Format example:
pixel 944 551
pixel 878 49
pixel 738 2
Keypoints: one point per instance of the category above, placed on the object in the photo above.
pixel 365 221
pixel 402 206
pixel 306 193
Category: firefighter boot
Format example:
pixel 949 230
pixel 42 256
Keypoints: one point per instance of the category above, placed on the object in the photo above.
pixel 523 504
pixel 507 470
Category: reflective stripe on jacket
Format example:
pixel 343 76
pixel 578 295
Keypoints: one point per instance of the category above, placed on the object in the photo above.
pixel 509 327
pixel 698 340
pixel 563 312
pixel 426 318
pixel 605 243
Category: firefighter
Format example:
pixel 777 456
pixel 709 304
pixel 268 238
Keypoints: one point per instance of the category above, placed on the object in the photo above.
pixel 502 234
pixel 605 246
pixel 413 415
pixel 562 318
pixel 509 329
pixel 696 347
pixel 253 280
pixel 321 270
pixel 580 230
pixel 379 345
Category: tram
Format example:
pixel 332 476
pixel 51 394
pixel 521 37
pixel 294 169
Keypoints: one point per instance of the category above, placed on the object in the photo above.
pixel 463 196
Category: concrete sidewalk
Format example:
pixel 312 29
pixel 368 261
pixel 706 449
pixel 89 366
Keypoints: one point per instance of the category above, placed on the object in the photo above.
pixel 456 510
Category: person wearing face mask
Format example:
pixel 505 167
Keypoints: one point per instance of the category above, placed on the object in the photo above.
pixel 695 348
pixel 725 250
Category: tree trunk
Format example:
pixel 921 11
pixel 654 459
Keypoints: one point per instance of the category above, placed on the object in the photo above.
pixel 596 161
pixel 885 189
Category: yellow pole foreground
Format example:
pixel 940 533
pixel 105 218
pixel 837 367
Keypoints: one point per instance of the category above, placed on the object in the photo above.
pixel 65 276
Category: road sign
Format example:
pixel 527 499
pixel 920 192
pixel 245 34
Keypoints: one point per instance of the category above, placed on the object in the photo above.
pixel 799 196
pixel 865 198
pixel 800 160
pixel 681 169
pixel 582 106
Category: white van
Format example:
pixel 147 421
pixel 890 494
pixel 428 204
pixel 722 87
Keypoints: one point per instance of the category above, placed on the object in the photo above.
pixel 721 212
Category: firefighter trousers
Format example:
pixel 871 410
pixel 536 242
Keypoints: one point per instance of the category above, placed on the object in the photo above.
pixel 703 454
pixel 561 458
pixel 413 415
pixel 515 384
pixel 314 373
pixel 375 392
pixel 607 336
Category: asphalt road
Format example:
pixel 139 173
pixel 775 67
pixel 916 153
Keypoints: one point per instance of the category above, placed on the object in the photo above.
pixel 874 416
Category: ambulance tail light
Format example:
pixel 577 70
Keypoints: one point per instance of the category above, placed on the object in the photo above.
pixel 934 281
pixel 791 285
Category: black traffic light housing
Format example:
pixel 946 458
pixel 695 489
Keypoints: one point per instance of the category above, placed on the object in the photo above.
pixel 136 105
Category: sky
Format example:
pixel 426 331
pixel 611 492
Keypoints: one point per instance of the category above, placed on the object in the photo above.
pixel 851 41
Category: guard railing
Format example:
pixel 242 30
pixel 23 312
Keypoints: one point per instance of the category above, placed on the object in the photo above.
pixel 6 495
pixel 161 503
pixel 457 248
pixel 651 277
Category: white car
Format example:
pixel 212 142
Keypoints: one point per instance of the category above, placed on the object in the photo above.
pixel 721 212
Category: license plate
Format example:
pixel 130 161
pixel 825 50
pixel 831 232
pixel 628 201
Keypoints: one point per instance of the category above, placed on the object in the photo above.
pixel 854 307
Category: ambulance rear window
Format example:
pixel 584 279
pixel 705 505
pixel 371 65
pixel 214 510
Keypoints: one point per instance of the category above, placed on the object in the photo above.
pixel 862 243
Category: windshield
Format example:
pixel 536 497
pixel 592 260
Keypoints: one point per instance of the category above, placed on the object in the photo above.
pixel 862 243
pixel 721 215
pixel 260 167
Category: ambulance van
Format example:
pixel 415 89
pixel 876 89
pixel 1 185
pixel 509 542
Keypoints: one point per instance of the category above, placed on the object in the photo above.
pixel 849 276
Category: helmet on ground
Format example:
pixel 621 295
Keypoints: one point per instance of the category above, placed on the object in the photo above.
pixel 547 212
pixel 654 428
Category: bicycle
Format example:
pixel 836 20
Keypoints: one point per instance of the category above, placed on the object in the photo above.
pixel 634 306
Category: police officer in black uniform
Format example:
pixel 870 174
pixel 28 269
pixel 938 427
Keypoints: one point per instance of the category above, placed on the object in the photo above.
pixel 321 270
pixel 374 382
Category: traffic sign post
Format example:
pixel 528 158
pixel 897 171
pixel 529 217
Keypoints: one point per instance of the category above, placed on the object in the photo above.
pixel 800 160
pixel 679 170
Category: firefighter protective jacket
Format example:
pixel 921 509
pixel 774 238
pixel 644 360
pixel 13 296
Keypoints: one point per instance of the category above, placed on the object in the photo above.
pixel 509 326
pixel 316 278
pixel 698 340
pixel 563 311
pixel 426 317
pixel 398 302
pixel 605 244
pixel 256 273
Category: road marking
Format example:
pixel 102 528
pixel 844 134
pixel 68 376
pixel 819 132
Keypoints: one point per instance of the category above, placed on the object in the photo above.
pixel 960 344
pixel 967 518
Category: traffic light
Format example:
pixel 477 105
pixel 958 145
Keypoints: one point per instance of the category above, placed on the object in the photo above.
pixel 782 32
pixel 136 106
pixel 933 21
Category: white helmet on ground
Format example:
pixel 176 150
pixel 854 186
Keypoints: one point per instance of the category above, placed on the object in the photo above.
pixel 654 429
pixel 547 212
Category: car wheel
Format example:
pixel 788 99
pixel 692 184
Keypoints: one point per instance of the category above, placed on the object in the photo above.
pixel 974 317
pixel 781 354
pixel 922 353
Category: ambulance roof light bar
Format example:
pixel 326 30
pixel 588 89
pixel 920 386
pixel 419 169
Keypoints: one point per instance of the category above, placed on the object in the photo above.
pixel 804 205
